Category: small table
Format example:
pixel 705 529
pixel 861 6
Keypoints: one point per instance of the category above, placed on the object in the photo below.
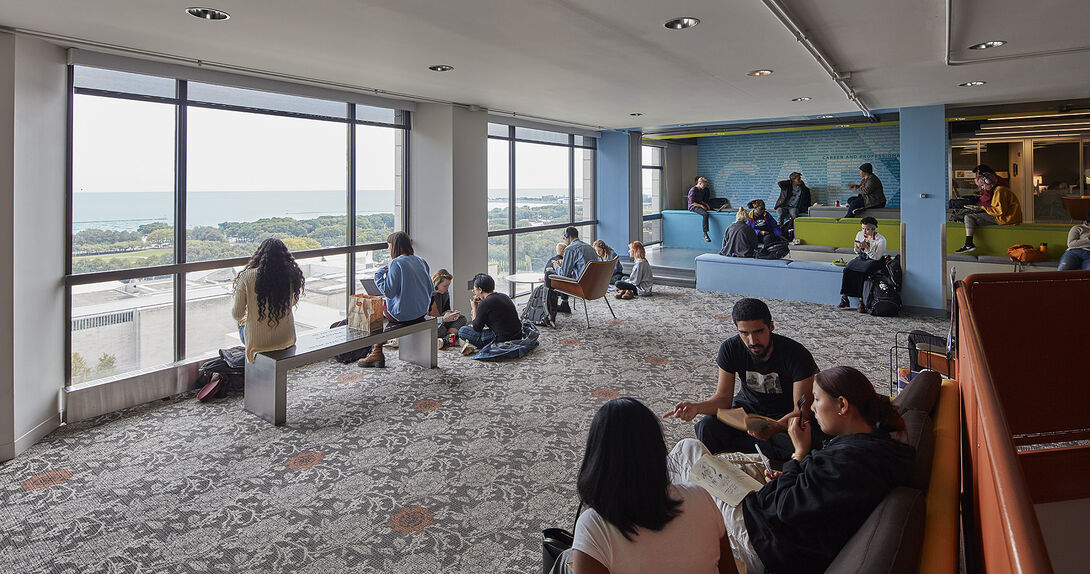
pixel 530 277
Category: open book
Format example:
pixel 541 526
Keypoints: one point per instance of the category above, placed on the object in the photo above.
pixel 744 421
pixel 722 479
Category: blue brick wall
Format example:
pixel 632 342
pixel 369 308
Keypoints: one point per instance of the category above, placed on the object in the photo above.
pixel 745 167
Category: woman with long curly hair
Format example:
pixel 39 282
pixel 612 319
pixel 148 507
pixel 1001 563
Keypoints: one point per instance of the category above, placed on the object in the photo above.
pixel 265 292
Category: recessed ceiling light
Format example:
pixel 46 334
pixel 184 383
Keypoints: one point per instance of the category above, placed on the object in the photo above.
pixel 758 73
pixel 682 23
pixel 635 114
pixel 826 117
pixel 802 99
pixel 207 13
pixel 986 45
pixel 972 84
pixel 440 68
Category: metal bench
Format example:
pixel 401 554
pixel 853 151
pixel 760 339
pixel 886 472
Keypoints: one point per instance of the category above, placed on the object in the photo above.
pixel 267 376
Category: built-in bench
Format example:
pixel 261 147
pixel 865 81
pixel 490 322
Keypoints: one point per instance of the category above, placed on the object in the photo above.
pixel 267 376
pixel 812 281
pixel 838 212
pixel 682 228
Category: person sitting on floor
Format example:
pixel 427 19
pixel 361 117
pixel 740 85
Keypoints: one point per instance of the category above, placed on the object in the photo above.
pixel 870 248
pixel 449 320
pixel 1004 208
pixel 804 515
pixel 606 253
pixel 576 256
pixel 494 316
pixel 794 198
pixel 265 292
pixel 637 520
pixel 553 264
pixel 639 281
pixel 1077 255
pixel 762 222
pixel 406 289
pixel 739 240
pixel 870 193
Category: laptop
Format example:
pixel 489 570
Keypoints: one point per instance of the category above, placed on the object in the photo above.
pixel 370 288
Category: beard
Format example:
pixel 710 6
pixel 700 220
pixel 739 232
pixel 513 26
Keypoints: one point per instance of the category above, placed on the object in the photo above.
pixel 759 354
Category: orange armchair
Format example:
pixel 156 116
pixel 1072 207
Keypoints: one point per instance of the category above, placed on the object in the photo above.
pixel 592 284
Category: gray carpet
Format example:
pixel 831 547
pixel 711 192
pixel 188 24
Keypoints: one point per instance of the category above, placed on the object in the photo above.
pixel 455 469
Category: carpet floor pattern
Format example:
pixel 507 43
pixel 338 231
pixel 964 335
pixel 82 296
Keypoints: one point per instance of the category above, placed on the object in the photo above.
pixel 403 469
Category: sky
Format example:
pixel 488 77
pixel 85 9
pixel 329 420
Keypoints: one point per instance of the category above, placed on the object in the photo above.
pixel 128 146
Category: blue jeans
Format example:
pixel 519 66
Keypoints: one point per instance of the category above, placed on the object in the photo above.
pixel 477 338
pixel 1074 260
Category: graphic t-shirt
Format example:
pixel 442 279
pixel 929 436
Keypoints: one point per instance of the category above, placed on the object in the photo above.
pixel 766 388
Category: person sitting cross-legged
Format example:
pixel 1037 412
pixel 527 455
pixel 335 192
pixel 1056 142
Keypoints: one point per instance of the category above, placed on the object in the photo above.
pixel 1077 255
pixel 494 315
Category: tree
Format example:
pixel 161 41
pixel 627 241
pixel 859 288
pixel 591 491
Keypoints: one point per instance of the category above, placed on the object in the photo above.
pixel 329 235
pixel 149 227
pixel 106 364
pixel 206 234
pixel 301 243
pixel 80 370
pixel 160 236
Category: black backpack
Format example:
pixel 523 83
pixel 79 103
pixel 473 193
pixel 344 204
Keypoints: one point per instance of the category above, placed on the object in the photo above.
pixel 535 310
pixel 893 270
pixel 880 296
pixel 777 250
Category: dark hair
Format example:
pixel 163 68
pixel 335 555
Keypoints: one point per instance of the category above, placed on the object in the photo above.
pixel 571 232
pixel 857 389
pixel 400 244
pixel 982 169
pixel 624 476
pixel 754 203
pixel 750 309
pixel 868 220
pixel 866 168
pixel 485 282
pixel 279 280
pixel 1086 217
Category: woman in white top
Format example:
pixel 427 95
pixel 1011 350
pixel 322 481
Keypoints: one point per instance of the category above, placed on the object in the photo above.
pixel 638 521
pixel 870 247
pixel 639 281
pixel 265 291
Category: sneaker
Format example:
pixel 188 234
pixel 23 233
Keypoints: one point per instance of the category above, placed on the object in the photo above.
pixel 862 309
pixel 619 295
pixel 706 238
pixel 844 303
pixel 564 308
pixel 966 249
pixel 442 343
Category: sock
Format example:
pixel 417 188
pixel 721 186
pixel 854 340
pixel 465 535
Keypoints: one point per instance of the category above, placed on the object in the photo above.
pixel 969 241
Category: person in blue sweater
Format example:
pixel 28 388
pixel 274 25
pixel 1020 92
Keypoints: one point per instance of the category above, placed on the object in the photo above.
pixel 406 287
pixel 763 223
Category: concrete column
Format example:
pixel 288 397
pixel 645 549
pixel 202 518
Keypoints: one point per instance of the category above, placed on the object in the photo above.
pixel 618 196
pixel 448 192
pixel 32 197
pixel 924 143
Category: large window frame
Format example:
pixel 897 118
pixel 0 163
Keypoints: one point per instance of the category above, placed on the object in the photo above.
pixel 354 115
pixel 576 146
pixel 652 163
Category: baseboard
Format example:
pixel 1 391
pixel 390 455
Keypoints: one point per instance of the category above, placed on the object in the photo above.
pixel 37 433
pixel 7 451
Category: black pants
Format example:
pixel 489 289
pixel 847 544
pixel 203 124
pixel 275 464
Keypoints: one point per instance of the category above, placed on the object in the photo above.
pixel 720 437
pixel 703 213
pixel 552 296
pixel 392 323
pixel 856 202
pixel 625 286
pixel 855 273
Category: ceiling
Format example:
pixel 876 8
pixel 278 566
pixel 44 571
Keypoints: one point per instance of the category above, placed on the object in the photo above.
pixel 595 62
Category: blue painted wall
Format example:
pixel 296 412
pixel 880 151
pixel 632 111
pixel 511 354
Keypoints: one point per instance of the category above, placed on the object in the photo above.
pixel 613 198
pixel 745 167
pixel 923 154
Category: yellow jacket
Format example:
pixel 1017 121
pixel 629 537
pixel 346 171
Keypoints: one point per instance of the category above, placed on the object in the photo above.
pixel 1005 207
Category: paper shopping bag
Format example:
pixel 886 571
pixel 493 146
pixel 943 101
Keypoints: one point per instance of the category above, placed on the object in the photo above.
pixel 365 313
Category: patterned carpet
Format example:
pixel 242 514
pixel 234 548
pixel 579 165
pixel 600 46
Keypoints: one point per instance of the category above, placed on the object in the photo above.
pixel 406 469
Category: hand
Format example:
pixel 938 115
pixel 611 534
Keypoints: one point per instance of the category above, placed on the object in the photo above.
pixel 451 316
pixel 800 435
pixel 771 475
pixel 684 410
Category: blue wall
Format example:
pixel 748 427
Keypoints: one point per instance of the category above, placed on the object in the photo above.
pixel 745 167
pixel 613 196
pixel 924 141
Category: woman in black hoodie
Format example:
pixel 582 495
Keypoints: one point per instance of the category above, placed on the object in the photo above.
pixel 805 514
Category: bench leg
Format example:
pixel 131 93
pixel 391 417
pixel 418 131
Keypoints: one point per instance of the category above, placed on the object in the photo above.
pixel 420 348
pixel 267 390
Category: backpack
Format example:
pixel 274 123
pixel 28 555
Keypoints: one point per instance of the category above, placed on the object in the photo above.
pixel 535 310
pixel 880 296
pixel 1025 253
pixel 222 370
pixel 777 250
pixel 893 270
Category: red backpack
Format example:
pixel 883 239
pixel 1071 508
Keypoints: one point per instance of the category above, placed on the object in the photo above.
pixel 1025 253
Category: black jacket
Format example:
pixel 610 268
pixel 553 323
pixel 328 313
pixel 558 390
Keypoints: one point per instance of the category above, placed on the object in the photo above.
pixel 801 520
pixel 785 196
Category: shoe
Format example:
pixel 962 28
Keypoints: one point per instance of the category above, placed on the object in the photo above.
pixel 564 308
pixel 965 249
pixel 619 295
pixel 468 349
pixel 452 339
pixel 375 359
pixel 628 295
pixel 442 343
pixel 844 303
pixel 862 309
pixel 706 238
pixel 212 388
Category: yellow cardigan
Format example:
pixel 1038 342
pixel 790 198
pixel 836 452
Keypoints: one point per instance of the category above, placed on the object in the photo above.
pixel 260 335
pixel 1005 207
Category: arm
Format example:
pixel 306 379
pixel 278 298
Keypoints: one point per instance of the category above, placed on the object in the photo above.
pixel 384 277
pixel 877 248
pixel 584 564
pixel 726 557
pixel 239 309
pixel 722 399
pixel 803 388
pixel 478 315
pixel 1078 238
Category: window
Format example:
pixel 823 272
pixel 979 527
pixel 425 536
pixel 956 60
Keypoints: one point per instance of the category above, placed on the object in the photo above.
pixel 538 183
pixel 231 167
pixel 651 186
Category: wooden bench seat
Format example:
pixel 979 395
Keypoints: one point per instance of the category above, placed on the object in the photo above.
pixel 267 376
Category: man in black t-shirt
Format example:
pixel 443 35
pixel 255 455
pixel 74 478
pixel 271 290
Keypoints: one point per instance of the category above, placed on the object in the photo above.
pixel 775 372
pixel 494 315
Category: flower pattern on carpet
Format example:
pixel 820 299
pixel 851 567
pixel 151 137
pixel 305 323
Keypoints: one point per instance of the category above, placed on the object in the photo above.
pixel 304 460
pixel 47 479
pixel 606 394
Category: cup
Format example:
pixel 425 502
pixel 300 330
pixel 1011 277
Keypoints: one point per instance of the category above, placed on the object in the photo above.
pixel 838 203
pixel 1044 248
